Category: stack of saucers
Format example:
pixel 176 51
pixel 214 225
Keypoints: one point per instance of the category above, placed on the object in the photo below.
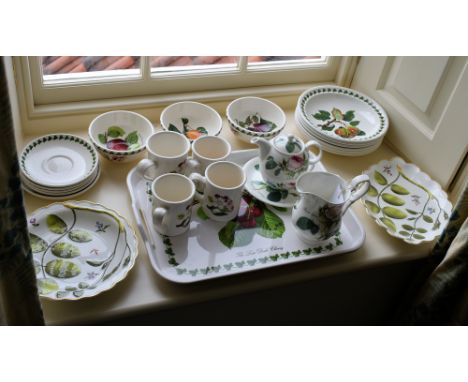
pixel 59 166
pixel 344 121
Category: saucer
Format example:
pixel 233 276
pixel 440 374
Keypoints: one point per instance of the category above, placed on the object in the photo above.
pixel 259 189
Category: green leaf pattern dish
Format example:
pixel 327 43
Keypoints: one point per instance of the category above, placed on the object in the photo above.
pixel 80 249
pixel 406 201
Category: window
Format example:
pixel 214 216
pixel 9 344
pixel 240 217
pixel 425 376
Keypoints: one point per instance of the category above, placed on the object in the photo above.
pixel 65 85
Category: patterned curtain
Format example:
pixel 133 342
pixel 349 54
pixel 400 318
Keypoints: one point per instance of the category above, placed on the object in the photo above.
pixel 443 297
pixel 19 301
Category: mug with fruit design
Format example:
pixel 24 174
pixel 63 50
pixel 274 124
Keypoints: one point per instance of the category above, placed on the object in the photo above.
pixel 167 153
pixel 207 150
pixel 172 203
pixel 222 188
pixel 285 158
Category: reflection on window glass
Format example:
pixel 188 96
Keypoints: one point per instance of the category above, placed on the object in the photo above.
pixel 186 62
pixel 81 64
pixel 280 59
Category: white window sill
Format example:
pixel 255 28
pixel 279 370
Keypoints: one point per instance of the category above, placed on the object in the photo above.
pixel 143 290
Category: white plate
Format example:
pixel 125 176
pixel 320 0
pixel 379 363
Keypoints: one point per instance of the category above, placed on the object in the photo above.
pixel 65 194
pixel 257 187
pixel 200 254
pixel 406 201
pixel 341 150
pixel 80 249
pixel 351 107
pixel 58 160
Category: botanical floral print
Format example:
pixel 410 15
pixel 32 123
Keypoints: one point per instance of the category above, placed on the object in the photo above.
pixel 188 131
pixel 327 222
pixel 185 217
pixel 257 124
pixel 290 167
pixel 220 205
pixel 343 124
pixel 118 141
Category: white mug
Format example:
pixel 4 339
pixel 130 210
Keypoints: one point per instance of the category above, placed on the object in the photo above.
pixel 222 188
pixel 173 196
pixel 167 153
pixel 207 150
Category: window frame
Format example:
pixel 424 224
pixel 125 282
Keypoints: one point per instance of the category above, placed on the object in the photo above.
pixel 44 105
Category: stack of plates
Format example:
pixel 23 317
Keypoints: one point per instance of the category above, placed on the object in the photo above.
pixel 344 121
pixel 59 166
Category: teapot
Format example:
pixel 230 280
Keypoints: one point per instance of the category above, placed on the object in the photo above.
pixel 323 200
pixel 285 158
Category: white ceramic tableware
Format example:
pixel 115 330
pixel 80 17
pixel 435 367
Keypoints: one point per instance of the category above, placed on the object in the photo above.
pixel 260 237
pixel 120 135
pixel 406 201
pixel 172 203
pixel 222 188
pixel 207 150
pixel 284 158
pixel 258 188
pixel 323 200
pixel 167 152
pixel 80 249
pixel 58 160
pixel 255 117
pixel 192 119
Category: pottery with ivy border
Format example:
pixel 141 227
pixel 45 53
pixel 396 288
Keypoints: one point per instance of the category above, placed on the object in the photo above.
pixel 285 158
pixel 406 201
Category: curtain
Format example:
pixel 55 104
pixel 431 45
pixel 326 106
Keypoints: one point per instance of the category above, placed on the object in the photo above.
pixel 19 301
pixel 443 297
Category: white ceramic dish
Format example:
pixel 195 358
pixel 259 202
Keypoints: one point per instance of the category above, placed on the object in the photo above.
pixel 406 201
pixel 65 194
pixel 343 115
pixel 58 160
pixel 80 249
pixel 193 119
pixel 239 112
pixel 131 128
pixel 271 243
pixel 257 187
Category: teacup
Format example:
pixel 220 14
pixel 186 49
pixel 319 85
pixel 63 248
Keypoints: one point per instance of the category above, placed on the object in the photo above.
pixel 324 199
pixel 222 188
pixel 207 150
pixel 173 196
pixel 167 153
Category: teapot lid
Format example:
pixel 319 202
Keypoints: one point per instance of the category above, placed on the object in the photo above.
pixel 288 144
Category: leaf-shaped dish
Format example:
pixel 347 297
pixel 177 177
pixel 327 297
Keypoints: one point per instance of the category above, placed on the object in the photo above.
pixel 80 249
pixel 406 201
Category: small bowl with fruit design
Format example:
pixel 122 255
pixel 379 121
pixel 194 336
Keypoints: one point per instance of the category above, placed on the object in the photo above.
pixel 120 135
pixel 250 117
pixel 192 119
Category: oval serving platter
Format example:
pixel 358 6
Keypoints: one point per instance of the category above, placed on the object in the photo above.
pixel 406 201
pixel 80 249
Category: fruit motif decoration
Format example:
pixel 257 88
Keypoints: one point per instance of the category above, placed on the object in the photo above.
pixel 188 131
pixel 343 124
pixel 114 139
pixel 256 123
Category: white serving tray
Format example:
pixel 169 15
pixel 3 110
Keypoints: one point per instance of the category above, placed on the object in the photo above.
pixel 202 253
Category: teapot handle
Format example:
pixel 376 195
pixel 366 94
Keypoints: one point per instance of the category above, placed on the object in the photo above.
pixel 359 186
pixel 317 157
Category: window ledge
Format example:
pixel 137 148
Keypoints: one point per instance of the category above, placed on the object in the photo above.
pixel 143 290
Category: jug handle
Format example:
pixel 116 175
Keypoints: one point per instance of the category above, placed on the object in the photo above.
pixel 317 157
pixel 359 186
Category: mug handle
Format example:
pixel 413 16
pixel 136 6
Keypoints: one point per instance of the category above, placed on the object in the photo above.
pixel 317 157
pixel 144 165
pixel 200 183
pixel 158 216
pixel 192 165
pixel 359 186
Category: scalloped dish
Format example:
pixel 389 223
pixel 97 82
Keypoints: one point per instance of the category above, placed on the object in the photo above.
pixel 406 201
pixel 80 249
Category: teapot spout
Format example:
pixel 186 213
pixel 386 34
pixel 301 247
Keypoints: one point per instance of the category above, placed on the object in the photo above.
pixel 264 146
